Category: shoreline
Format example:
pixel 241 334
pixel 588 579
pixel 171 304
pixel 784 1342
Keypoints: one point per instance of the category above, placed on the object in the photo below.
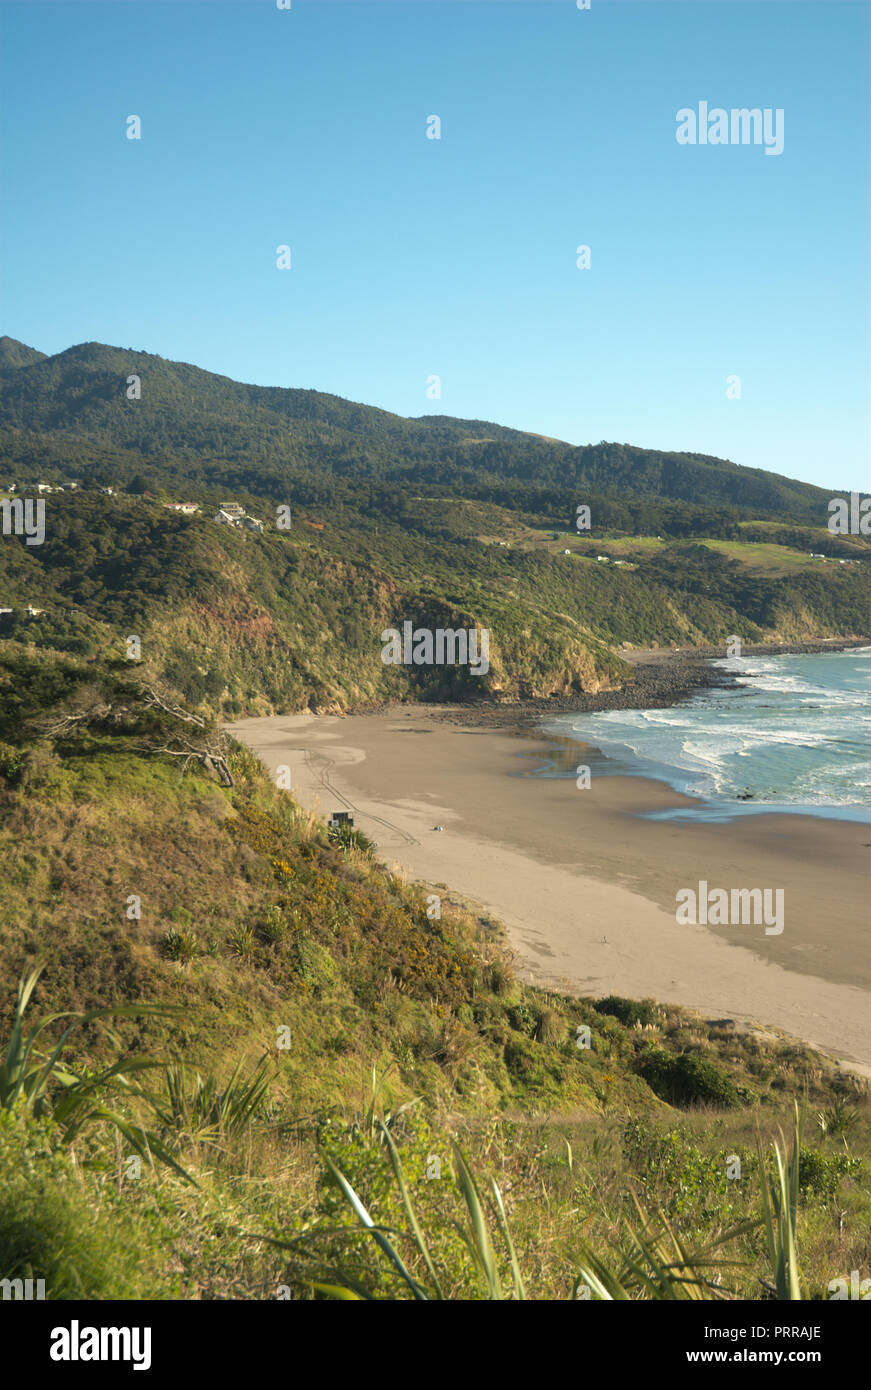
pixel 664 677
pixel 584 887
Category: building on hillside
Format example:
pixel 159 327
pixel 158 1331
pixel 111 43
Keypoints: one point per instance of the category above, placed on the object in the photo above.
pixel 251 523
pixel 32 612
pixel 606 558
pixel 44 487
pixel 186 508
pixel 233 509
pixel 225 518
pixel 107 491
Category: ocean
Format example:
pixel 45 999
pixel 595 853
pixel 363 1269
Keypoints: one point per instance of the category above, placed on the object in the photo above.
pixel 794 736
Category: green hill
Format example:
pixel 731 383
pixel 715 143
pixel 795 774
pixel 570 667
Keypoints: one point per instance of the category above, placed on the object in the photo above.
pixel 15 354
pixel 258 623
pixel 446 523
pixel 315 1021
pixel 253 435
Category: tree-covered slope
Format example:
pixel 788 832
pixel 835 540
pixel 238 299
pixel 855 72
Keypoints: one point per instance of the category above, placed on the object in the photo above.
pixel 79 398
pixel 288 620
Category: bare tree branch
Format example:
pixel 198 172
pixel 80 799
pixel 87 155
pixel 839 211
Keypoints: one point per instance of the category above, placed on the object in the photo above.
pixel 177 744
pixel 155 702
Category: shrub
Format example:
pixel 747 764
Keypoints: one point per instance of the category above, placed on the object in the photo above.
pixel 179 945
pixel 628 1011
pixel 523 1019
pixel 241 942
pixel 273 927
pixel 820 1176
pixel 500 979
pixel 687 1079
pixel 48 1228
pixel 551 1027
pixel 676 1172
pixel 11 763
pixel 344 838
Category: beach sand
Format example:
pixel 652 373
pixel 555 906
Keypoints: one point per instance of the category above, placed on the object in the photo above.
pixel 586 889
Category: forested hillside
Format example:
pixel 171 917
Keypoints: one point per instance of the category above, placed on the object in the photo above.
pixel 208 427
pixel 287 620
pixel 442 523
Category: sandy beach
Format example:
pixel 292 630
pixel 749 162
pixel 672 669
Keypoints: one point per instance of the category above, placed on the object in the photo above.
pixel 585 889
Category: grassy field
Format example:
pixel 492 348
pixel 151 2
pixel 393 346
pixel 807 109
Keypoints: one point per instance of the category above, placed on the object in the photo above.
pixel 757 557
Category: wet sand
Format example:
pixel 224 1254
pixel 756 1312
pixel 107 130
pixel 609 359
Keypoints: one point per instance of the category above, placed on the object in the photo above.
pixel 586 889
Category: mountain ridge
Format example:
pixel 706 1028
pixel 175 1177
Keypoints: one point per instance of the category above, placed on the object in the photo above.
pixel 188 411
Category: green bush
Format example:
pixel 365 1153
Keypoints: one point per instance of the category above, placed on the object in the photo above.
pixel 179 945
pixel 628 1011
pixel 273 927
pixel 523 1019
pixel 50 1230
pixel 680 1176
pixel 242 942
pixel 344 837
pixel 820 1175
pixel 687 1079
pixel 11 763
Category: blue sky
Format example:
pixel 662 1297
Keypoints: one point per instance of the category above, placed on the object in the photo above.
pixel 414 257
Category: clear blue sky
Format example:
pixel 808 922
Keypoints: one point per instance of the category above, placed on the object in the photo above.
pixel 456 257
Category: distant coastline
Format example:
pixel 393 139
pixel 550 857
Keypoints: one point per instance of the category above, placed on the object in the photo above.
pixel 787 735
pixel 663 676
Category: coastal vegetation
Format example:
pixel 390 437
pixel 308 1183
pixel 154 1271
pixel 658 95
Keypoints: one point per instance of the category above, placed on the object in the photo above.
pixel 267 623
pixel 284 1039
pixel 240 1057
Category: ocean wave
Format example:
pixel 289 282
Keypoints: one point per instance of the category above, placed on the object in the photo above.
pixel 796 732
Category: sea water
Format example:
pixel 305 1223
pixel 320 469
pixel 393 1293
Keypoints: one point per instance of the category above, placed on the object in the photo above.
pixel 794 735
